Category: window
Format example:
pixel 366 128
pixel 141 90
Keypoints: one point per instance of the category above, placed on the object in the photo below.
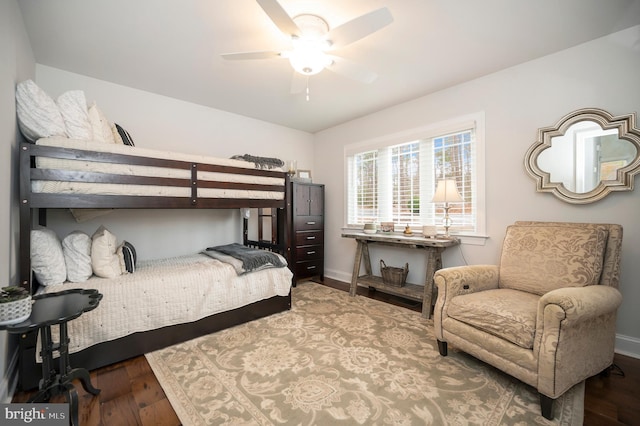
pixel 394 179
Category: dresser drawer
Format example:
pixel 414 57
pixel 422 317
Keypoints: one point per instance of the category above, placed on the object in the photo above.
pixel 309 269
pixel 308 238
pixel 309 253
pixel 308 223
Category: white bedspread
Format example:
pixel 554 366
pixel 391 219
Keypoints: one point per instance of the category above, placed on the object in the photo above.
pixel 166 292
pixel 134 170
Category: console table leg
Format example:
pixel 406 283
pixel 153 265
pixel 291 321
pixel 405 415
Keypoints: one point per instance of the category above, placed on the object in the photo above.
pixel 434 262
pixel 356 270
pixel 366 258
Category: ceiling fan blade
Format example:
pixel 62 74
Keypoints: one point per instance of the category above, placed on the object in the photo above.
pixel 279 17
pixel 359 27
pixel 251 55
pixel 299 83
pixel 352 70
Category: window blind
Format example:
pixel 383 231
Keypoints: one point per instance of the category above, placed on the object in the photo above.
pixel 396 182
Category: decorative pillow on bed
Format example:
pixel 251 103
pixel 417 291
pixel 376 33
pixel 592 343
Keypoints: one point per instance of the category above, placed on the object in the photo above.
pixel 128 257
pixel 100 125
pixel 47 259
pixel 124 135
pixel 104 257
pixel 38 114
pixel 76 248
pixel 116 136
pixel 73 107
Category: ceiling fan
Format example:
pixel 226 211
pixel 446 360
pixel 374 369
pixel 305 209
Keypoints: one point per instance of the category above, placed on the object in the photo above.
pixel 312 40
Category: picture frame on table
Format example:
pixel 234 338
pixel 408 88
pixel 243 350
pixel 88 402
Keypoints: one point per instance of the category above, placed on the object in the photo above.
pixel 303 176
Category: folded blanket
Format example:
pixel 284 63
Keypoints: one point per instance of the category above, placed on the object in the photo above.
pixel 260 162
pixel 245 259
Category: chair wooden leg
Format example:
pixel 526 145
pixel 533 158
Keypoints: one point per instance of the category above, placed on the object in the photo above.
pixel 546 404
pixel 442 348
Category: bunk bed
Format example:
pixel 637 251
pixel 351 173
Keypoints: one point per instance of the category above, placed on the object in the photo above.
pixel 61 173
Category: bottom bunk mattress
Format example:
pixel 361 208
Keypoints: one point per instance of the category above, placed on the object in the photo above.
pixel 166 292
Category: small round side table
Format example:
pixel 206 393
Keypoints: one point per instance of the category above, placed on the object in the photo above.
pixel 57 309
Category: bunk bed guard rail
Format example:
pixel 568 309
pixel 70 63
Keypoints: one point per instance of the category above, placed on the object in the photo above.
pixel 30 200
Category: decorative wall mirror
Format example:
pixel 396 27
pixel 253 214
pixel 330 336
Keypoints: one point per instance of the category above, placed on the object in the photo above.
pixel 585 156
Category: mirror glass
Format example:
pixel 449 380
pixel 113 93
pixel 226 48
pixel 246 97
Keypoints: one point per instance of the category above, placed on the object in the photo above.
pixel 586 155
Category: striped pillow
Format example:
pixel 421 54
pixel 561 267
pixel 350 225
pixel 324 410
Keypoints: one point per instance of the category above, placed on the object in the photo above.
pixel 124 135
pixel 129 257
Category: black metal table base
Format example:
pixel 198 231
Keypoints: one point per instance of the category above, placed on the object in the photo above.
pixel 61 382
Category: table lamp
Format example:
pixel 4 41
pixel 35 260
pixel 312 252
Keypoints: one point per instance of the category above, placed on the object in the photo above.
pixel 447 192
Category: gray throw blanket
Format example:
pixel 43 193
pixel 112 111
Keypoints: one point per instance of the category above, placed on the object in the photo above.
pixel 251 259
pixel 260 162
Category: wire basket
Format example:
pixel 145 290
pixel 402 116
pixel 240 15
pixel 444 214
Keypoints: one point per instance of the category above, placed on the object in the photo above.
pixel 15 312
pixel 392 275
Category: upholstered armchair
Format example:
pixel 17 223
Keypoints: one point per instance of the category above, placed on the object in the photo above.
pixel 547 314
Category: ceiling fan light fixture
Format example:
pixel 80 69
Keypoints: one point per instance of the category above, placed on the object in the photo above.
pixel 313 43
pixel 308 58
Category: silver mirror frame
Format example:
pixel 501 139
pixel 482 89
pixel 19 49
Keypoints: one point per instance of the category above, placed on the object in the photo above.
pixel 627 130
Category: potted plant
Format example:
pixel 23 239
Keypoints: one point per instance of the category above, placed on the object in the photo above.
pixel 15 305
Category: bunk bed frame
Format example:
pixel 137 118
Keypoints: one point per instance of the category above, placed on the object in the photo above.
pixel 140 343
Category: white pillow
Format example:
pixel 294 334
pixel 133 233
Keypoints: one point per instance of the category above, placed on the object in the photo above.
pixel 100 125
pixel 104 259
pixel 73 107
pixel 38 115
pixel 47 259
pixel 76 248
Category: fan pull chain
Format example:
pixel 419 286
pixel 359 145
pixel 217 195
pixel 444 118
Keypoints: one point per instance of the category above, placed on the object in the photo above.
pixel 307 92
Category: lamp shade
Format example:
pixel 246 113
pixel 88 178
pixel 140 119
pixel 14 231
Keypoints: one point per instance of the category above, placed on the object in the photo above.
pixel 447 192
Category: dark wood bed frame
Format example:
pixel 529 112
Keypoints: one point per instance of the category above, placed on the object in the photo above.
pixel 140 343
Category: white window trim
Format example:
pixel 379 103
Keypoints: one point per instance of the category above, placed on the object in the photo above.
pixel 428 131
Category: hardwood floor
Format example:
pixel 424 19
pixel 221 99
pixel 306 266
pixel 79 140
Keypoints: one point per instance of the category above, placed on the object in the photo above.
pixel 131 395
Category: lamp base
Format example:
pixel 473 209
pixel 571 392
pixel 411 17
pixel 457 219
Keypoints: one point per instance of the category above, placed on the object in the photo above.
pixel 446 221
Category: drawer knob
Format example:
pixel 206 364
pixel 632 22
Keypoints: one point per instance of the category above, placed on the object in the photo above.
pixel 311 223
pixel 311 238
pixel 311 252
pixel 311 267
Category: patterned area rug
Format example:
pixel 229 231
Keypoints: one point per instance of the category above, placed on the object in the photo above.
pixel 334 359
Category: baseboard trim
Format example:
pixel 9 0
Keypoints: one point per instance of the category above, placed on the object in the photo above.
pixel 337 275
pixel 628 345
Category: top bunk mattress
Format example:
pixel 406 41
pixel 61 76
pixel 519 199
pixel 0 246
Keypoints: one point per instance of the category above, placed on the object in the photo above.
pixel 229 183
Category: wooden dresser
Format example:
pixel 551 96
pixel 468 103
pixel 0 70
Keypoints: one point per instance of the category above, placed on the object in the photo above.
pixel 307 230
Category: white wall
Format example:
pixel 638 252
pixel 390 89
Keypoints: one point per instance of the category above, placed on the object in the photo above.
pixel 516 102
pixel 163 123
pixel 17 64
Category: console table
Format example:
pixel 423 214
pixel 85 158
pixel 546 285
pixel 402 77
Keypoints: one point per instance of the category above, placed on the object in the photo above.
pixel 50 309
pixel 433 248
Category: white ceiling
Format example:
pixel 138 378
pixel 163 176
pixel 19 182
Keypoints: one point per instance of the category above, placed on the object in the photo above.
pixel 173 47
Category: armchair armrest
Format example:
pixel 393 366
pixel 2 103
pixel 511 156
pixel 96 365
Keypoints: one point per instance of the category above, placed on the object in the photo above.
pixel 458 280
pixel 466 279
pixel 575 335
pixel 581 303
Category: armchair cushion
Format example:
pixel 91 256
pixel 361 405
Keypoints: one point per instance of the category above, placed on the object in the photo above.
pixel 505 313
pixel 540 259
